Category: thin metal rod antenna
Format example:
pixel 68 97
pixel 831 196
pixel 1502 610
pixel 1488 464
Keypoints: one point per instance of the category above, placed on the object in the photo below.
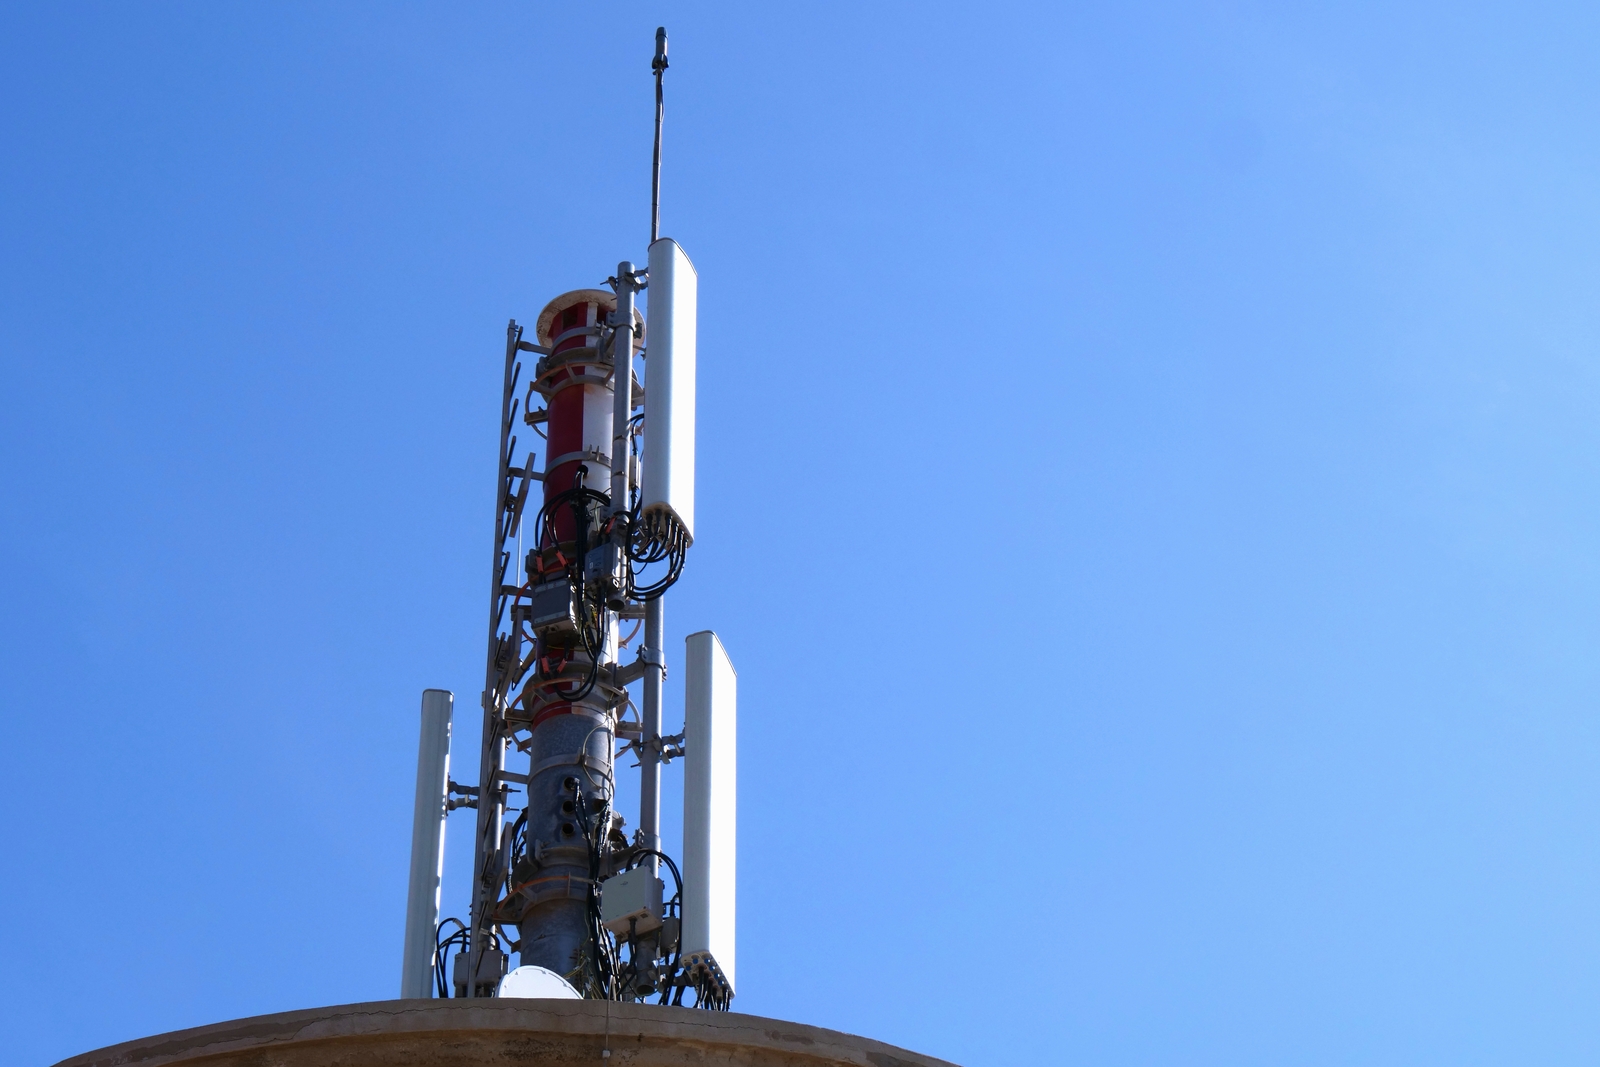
pixel 659 65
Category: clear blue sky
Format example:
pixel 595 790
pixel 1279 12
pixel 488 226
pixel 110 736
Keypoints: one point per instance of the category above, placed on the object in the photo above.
pixel 1148 471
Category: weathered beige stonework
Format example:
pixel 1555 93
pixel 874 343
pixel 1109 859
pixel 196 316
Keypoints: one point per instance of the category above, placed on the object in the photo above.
pixel 502 1033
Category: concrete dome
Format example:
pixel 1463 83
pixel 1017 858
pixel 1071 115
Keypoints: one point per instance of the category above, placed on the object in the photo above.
pixel 503 1033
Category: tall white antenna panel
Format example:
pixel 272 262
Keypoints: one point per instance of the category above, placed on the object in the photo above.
pixel 668 482
pixel 710 796
pixel 427 843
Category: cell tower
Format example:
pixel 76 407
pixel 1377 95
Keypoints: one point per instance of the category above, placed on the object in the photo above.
pixel 580 566
pixel 591 912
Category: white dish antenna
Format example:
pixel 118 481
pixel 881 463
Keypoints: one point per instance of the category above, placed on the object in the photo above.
pixel 536 983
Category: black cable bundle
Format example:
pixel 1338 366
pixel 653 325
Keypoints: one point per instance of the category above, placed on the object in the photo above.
pixel 582 503
pixel 441 953
pixel 654 537
pixel 601 950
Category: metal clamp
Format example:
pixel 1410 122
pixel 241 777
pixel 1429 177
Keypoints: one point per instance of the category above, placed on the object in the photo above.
pixel 592 455
pixel 460 796
pixel 670 747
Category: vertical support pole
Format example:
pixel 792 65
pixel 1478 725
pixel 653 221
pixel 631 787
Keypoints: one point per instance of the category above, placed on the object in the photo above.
pixel 650 757
pixel 491 816
pixel 427 844
pixel 622 386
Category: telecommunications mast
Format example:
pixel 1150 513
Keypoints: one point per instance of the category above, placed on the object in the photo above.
pixel 580 567
pixel 568 905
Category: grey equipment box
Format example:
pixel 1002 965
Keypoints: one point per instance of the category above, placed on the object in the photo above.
pixel 551 608
pixel 632 898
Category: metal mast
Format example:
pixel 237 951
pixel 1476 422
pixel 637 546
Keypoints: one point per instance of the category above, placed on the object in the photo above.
pixel 655 624
pixel 555 879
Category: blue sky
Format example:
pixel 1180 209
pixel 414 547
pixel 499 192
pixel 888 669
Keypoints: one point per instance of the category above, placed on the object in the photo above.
pixel 1147 487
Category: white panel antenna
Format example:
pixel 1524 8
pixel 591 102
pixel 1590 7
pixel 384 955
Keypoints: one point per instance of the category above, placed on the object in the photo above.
pixel 427 843
pixel 668 483
pixel 710 820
